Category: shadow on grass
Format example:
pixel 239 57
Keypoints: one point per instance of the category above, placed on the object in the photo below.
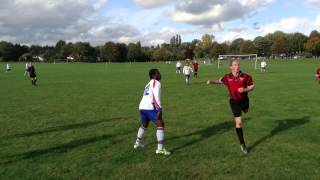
pixel 198 82
pixel 60 128
pixel 63 148
pixel 204 134
pixel 283 125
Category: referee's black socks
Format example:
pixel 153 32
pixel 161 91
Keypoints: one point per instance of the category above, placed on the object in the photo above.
pixel 240 135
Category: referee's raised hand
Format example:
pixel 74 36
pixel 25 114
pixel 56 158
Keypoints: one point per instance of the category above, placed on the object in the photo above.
pixel 241 90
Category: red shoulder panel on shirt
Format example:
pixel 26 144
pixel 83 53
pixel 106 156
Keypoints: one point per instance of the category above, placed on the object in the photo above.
pixel 154 83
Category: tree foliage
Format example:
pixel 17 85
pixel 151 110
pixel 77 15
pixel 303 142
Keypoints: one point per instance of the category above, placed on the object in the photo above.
pixel 272 44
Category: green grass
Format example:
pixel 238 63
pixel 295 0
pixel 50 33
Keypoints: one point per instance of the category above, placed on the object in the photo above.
pixel 82 119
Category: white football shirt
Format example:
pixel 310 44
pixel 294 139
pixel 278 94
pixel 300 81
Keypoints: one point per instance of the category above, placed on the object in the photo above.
pixel 187 70
pixel 151 96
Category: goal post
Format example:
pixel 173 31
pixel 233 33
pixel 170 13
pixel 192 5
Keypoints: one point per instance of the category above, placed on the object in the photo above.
pixel 249 56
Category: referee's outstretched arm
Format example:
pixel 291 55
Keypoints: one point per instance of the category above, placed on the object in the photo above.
pixel 215 81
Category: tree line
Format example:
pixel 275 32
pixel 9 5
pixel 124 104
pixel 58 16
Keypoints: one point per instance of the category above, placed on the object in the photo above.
pixel 277 44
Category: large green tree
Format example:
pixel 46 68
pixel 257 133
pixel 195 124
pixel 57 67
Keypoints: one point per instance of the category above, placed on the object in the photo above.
pixel 59 50
pixel 263 46
pixel 7 52
pixel 82 51
pixel 218 49
pixel 161 54
pixel 313 46
pixel 314 33
pixel 135 52
pixel 279 43
pixel 188 50
pixel 113 52
pixel 296 43
pixel 204 46
pixel 234 47
pixel 247 47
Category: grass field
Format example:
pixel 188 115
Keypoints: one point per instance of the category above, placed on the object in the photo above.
pixel 81 121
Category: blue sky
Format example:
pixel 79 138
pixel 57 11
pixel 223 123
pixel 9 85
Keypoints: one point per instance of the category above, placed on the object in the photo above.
pixel 152 21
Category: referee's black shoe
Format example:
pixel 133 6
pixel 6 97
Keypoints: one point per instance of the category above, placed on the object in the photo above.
pixel 244 149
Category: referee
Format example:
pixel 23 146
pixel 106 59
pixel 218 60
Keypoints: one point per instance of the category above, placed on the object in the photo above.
pixel 238 84
pixel 32 74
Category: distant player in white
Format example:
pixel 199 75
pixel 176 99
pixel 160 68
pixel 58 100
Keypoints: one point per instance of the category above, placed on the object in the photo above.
pixel 26 72
pixel 178 67
pixel 187 70
pixel 151 110
pixel 8 68
pixel 263 66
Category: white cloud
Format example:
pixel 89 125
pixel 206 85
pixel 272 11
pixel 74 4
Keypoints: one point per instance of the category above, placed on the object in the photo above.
pixel 289 25
pixel 46 13
pixel 237 33
pixel 318 21
pixel 47 21
pixel 214 12
pixel 152 3
pixel 206 12
pixel 313 2
pixel 112 32
pixel 157 37
pixel 150 25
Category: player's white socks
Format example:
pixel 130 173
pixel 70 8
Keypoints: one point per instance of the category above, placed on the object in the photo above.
pixel 140 135
pixel 187 80
pixel 160 137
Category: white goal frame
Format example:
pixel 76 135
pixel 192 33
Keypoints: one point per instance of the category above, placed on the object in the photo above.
pixel 255 57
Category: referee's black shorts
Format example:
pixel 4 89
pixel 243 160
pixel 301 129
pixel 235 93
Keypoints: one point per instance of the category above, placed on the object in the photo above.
pixel 239 106
pixel 33 75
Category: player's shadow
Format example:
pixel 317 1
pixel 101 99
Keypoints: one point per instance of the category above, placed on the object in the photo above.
pixel 60 128
pixel 283 125
pixel 63 148
pixel 204 134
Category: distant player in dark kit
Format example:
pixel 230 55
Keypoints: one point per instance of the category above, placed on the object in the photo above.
pixel 238 84
pixel 195 67
pixel 32 74
pixel 318 75
pixel 151 110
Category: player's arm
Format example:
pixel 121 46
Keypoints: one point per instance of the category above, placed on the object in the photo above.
pixel 219 81
pixel 156 93
pixel 247 89
pixel 157 99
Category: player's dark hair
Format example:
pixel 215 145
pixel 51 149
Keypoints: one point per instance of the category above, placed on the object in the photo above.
pixel 152 73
